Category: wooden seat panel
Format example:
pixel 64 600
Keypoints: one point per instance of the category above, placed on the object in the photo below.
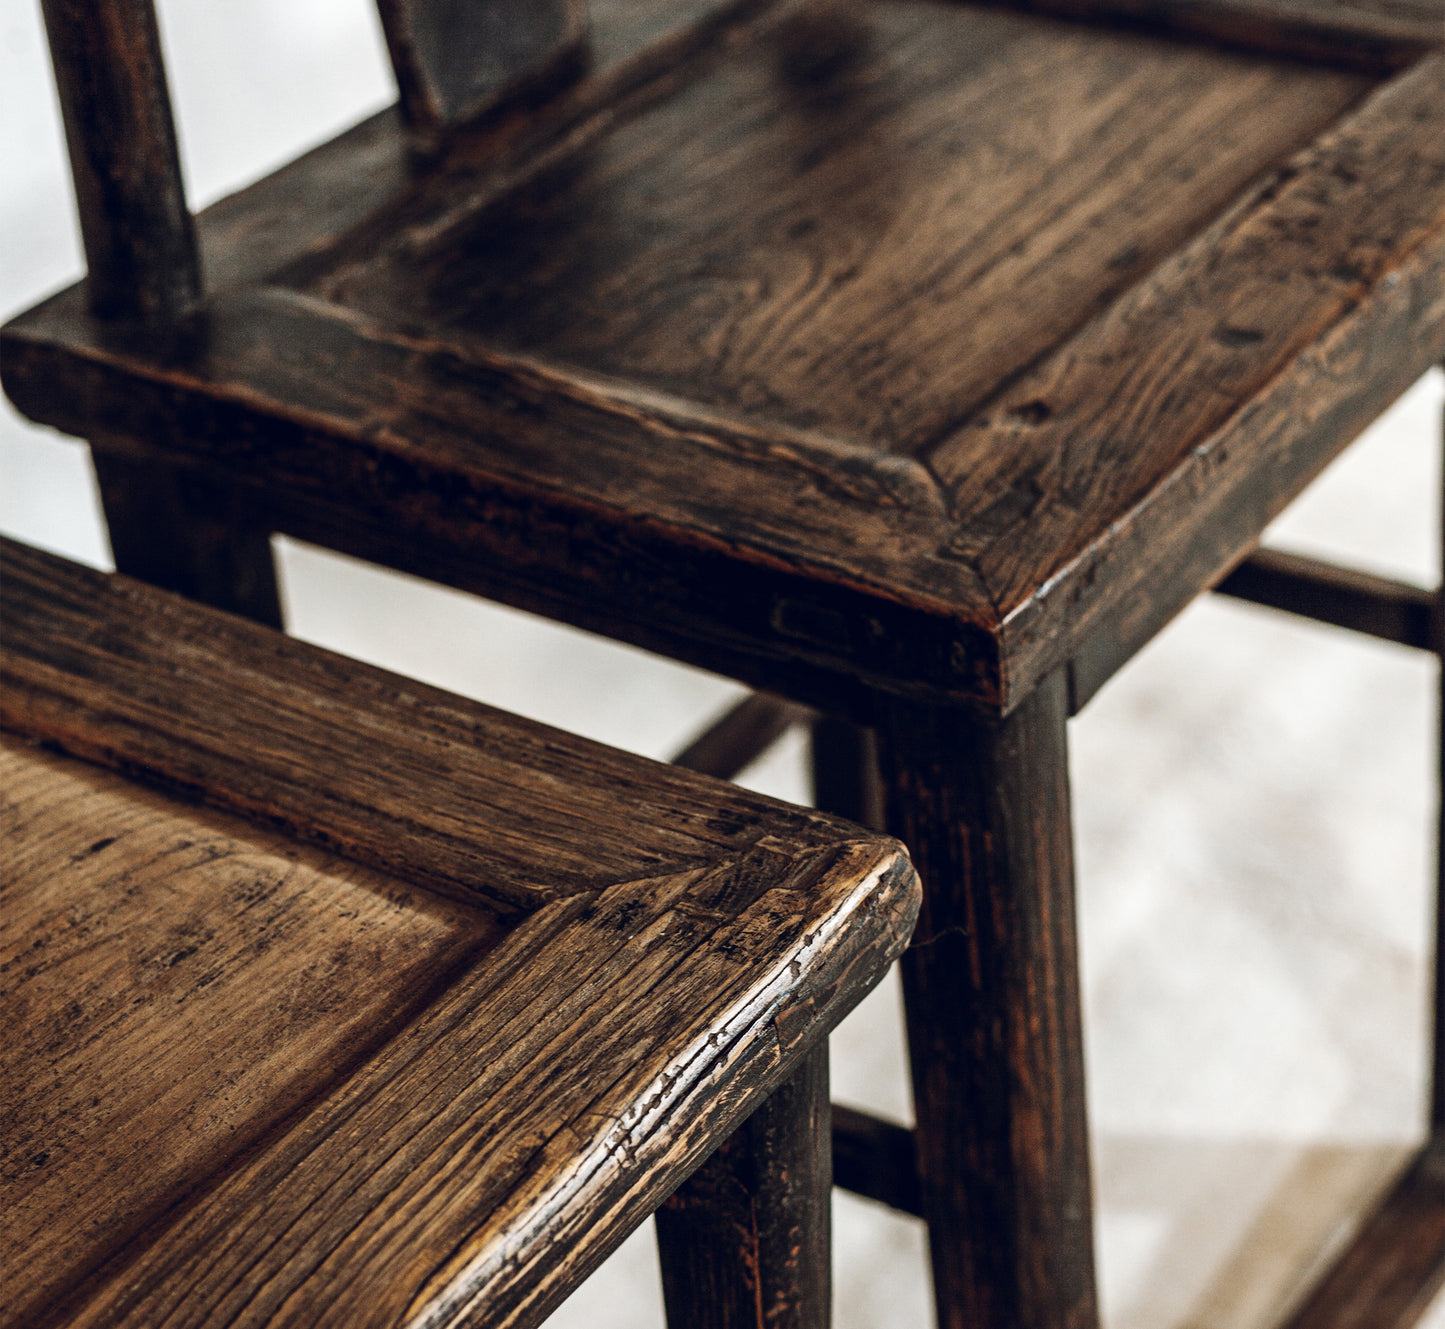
pixel 637 361
pixel 250 1082
pixel 175 984
pixel 860 221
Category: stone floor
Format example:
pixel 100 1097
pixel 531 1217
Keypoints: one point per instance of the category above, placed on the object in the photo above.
pixel 1253 795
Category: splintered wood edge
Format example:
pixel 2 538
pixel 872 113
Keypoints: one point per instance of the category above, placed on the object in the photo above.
pixel 443 792
pixel 872 899
pixel 722 1004
pixel 1204 513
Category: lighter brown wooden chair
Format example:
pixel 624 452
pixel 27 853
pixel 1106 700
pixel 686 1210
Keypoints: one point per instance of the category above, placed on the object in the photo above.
pixel 914 360
pixel 330 999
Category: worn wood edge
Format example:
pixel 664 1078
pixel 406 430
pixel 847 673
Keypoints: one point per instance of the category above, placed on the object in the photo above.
pixel 226 1229
pixel 1390 1270
pixel 1326 180
pixel 855 473
pixel 891 479
pixel 862 896
pixel 846 910
pixel 1345 35
pixel 1105 637
pixel 224 864
pixel 123 716
pixel 1323 592
pixel 797 1002
pixel 913 622
pixel 1093 622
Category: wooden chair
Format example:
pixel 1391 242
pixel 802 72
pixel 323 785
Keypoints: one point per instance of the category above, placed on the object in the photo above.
pixel 458 1008
pixel 916 361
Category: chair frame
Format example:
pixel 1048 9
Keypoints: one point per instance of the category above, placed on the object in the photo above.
pixel 969 713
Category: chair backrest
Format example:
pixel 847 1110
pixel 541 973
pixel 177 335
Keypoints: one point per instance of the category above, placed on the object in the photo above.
pixel 454 60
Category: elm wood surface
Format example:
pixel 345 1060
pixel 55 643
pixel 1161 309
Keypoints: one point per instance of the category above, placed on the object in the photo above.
pixel 180 694
pixel 294 1089
pixel 729 518
pixel 945 235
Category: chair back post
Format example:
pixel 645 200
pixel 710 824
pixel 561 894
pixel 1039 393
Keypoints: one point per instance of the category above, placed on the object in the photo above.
pixel 140 243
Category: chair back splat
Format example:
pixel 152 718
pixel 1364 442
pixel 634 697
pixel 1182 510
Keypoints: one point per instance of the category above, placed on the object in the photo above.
pixel 456 59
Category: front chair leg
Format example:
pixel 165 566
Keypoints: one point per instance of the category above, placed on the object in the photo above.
pixel 745 1241
pixel 991 991
pixel 170 529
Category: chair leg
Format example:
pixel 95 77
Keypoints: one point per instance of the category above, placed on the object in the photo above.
pixel 745 1242
pixel 169 529
pixel 992 996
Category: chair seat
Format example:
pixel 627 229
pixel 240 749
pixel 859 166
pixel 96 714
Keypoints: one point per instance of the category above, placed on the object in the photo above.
pixel 918 343
pixel 435 1078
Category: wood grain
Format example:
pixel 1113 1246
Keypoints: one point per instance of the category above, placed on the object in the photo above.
pixel 1238 350
pixel 392 1109
pixel 720 246
pixel 798 573
pixel 401 1239
pixel 1081 506
pixel 303 215
pixel 135 931
pixel 413 808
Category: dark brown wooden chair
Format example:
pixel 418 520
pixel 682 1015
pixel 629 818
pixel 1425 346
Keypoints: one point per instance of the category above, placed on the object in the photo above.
pixel 916 361
pixel 332 999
